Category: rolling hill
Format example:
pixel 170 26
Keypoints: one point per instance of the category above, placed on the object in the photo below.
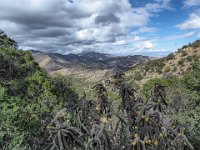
pixel 93 66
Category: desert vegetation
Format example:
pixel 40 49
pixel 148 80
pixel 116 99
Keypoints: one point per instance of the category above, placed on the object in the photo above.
pixel 136 124
pixel 38 111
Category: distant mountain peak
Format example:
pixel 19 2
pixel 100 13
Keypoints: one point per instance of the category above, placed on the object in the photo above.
pixel 87 64
pixel 94 55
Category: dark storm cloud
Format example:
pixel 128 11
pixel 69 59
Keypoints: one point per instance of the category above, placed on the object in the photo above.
pixel 39 21
pixel 52 32
pixel 58 24
pixel 106 19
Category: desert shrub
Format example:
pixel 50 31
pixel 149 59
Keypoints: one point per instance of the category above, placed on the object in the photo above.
pixel 184 46
pixel 190 58
pixel 175 69
pixel 184 53
pixel 181 70
pixel 155 65
pixel 138 76
pixel 170 56
pixel 192 81
pixel 146 68
pixel 181 62
pixel 196 44
pixel 191 120
pixel 167 69
pixel 179 50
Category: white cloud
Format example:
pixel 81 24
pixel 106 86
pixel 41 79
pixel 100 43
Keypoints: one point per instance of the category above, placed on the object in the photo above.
pixel 146 45
pixel 147 30
pixel 137 38
pixel 61 26
pixel 193 22
pixel 121 42
pixel 189 3
pixel 181 36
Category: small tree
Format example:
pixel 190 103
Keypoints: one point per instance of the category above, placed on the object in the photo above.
pixel 5 41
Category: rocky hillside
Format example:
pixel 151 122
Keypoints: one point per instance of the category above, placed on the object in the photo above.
pixel 174 64
pixel 91 65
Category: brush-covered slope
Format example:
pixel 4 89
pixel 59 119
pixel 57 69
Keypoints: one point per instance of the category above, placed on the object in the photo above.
pixel 177 64
pixel 28 98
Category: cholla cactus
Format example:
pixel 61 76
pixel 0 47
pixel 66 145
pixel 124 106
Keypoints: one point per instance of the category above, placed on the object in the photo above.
pixel 138 144
pixel 105 104
pixel 101 139
pixel 181 140
pixel 64 136
pixel 142 126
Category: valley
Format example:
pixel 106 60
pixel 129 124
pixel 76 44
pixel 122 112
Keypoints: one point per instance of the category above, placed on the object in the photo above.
pixel 92 66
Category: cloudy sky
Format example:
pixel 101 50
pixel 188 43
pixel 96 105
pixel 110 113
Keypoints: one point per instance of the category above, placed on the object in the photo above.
pixel 120 27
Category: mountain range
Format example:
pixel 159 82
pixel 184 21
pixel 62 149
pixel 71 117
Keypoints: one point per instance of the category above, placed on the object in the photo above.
pixel 91 65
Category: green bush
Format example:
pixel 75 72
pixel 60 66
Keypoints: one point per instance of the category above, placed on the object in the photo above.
pixel 184 46
pixel 155 65
pixel 167 69
pixel 138 76
pixel 191 120
pixel 175 69
pixel 181 62
pixel 170 56
pixel 184 53
pixel 196 44
pixel 28 98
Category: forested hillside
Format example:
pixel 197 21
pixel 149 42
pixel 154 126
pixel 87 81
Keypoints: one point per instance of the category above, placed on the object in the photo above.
pixel 28 98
